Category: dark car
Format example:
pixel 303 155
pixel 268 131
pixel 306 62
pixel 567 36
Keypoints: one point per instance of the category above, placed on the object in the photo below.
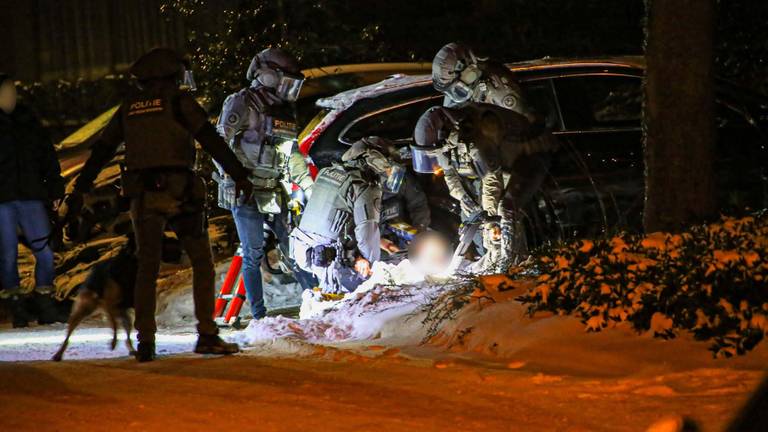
pixel 594 106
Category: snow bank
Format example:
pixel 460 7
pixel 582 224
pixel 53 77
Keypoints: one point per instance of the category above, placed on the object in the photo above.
pixel 380 307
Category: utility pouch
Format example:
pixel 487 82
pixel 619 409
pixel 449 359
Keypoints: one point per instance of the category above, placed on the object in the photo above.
pixel 323 256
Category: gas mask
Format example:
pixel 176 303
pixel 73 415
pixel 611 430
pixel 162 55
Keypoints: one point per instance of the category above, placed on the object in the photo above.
pixel 392 174
pixel 460 91
pixel 287 86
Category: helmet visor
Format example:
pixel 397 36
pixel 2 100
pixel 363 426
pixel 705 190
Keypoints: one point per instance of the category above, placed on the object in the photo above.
pixel 424 161
pixel 289 87
pixel 395 176
pixel 188 81
pixel 459 92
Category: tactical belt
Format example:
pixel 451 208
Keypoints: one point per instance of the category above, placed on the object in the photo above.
pixel 264 184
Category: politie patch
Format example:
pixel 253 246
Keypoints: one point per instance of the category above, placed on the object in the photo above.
pixel 145 107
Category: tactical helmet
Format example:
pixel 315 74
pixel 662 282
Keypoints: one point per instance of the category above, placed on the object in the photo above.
pixel 429 136
pixel 277 69
pixel 455 71
pixel 376 153
pixel 159 63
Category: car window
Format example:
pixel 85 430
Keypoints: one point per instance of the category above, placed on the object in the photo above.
pixel 395 123
pixel 539 97
pixel 599 102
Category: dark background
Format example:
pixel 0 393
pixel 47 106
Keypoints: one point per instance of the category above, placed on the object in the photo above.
pixel 70 55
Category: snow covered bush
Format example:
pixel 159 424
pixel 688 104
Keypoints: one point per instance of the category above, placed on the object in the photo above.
pixel 710 280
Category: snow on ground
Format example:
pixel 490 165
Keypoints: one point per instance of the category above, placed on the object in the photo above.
pixel 90 341
pixel 377 308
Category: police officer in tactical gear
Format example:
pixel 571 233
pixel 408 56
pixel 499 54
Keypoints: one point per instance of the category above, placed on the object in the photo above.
pixel 259 124
pixel 158 124
pixel 338 238
pixel 408 205
pixel 505 153
pixel 466 78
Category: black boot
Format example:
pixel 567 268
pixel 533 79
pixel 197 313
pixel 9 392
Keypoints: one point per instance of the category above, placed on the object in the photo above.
pixel 145 352
pixel 21 316
pixel 213 344
pixel 48 311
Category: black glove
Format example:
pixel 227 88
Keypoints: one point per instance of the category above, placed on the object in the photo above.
pixel 243 189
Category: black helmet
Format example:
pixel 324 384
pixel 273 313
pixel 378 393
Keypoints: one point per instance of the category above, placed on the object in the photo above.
pixel 159 63
pixel 429 136
pixel 277 69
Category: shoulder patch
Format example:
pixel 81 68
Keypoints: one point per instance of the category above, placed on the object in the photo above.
pixel 233 118
pixel 509 101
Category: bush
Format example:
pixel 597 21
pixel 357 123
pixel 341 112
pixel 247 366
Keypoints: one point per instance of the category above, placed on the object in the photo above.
pixel 710 281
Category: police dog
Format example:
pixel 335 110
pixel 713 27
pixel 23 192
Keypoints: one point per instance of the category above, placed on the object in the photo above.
pixel 110 285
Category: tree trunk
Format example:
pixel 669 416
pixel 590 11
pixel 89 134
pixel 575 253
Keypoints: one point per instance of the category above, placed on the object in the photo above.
pixel 678 114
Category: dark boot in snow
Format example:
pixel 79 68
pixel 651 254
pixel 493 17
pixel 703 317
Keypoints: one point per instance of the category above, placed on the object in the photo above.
pixel 48 311
pixel 213 344
pixel 21 316
pixel 145 352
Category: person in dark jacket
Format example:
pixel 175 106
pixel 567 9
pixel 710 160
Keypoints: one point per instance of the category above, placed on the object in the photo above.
pixel 158 124
pixel 30 183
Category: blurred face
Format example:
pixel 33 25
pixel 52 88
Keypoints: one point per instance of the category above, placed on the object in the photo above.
pixel 8 97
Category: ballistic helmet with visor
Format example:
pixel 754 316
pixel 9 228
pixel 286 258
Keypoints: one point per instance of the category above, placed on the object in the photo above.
pixel 277 69
pixel 455 72
pixel 375 153
pixel 430 136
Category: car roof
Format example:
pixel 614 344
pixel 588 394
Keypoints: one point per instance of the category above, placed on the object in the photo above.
pixel 345 99
pixel 320 81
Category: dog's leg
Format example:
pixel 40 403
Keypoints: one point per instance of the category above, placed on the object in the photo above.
pixel 111 301
pixel 126 320
pixel 85 303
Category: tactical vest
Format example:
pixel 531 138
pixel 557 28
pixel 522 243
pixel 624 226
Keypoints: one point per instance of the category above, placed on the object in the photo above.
pixel 267 146
pixel 328 213
pixel 154 137
pixel 463 162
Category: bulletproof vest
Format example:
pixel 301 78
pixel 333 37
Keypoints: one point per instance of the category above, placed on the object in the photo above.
pixel 328 213
pixel 154 134
pixel 268 142
pixel 391 207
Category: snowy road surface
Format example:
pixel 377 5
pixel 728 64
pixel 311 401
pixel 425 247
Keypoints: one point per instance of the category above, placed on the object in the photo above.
pixel 39 343
pixel 361 364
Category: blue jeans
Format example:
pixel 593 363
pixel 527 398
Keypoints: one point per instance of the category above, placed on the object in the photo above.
pixel 250 228
pixel 32 218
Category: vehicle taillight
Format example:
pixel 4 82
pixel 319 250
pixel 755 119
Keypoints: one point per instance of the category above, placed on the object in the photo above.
pixel 305 145
pixel 309 135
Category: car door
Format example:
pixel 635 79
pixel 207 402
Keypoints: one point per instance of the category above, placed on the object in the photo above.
pixel 598 172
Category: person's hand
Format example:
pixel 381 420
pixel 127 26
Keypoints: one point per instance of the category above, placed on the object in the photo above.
pixel 469 205
pixel 243 189
pixel 363 267
pixel 388 245
pixel 492 231
pixel 55 204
